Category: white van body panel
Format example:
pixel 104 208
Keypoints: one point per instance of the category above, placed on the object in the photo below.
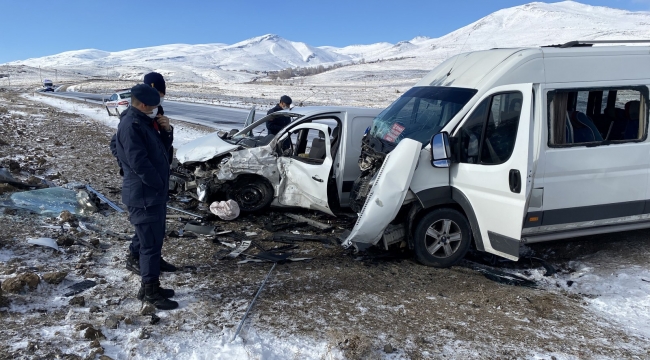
pixel 427 177
pixel 499 210
pixel 387 194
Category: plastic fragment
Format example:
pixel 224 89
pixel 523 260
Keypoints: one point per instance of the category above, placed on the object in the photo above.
pixel 225 210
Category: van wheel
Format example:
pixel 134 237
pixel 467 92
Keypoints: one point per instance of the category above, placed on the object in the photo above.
pixel 442 238
pixel 251 193
pixel 109 112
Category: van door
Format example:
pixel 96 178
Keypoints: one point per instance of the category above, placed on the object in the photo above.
pixel 493 149
pixel 305 167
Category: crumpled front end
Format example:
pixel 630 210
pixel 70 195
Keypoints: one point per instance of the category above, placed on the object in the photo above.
pixel 387 194
pixel 210 180
pixel 261 161
pixel 370 162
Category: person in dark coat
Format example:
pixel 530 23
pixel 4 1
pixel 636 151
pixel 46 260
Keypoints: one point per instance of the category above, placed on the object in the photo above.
pixel 274 126
pixel 156 81
pixel 144 159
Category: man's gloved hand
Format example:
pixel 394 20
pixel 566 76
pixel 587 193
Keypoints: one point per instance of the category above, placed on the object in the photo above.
pixel 163 121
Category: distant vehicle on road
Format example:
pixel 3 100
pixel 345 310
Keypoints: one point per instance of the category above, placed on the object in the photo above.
pixel 48 85
pixel 118 102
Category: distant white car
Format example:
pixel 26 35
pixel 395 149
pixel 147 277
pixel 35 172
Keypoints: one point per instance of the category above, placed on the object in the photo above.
pixel 118 102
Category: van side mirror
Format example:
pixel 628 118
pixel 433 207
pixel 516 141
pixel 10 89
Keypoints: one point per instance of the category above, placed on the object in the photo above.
pixel 440 151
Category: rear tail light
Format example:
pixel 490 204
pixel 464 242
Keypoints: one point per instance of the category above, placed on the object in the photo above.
pixel 123 103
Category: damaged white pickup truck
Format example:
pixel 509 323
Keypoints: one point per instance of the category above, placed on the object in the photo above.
pixel 311 163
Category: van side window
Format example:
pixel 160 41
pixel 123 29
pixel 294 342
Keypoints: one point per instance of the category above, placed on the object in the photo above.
pixel 597 115
pixel 489 134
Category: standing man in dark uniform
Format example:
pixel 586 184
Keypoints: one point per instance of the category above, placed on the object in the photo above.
pixel 144 159
pixel 166 131
pixel 274 126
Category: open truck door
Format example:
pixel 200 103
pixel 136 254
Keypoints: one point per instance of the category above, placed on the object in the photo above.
pixel 491 176
pixel 304 179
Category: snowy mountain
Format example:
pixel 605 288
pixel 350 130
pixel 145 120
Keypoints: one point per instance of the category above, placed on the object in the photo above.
pixel 532 24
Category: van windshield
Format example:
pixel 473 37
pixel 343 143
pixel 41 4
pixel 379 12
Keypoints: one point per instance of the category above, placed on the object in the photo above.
pixel 418 114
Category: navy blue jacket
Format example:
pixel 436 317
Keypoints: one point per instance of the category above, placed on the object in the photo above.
pixel 167 138
pixel 143 155
pixel 274 126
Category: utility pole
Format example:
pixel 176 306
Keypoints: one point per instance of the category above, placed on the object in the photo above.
pixel 39 74
pixel 56 75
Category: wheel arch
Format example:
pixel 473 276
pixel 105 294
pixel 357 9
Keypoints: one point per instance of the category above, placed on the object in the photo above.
pixel 241 177
pixel 442 197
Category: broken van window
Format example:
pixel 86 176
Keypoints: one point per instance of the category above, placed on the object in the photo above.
pixel 419 114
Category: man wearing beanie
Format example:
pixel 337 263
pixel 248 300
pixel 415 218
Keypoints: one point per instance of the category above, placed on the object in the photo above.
pixel 274 126
pixel 144 159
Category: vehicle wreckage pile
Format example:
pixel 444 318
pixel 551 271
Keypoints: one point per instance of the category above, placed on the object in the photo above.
pixel 66 294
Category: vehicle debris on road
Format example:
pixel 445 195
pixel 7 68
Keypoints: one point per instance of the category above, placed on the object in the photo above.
pixel 79 287
pixel 314 223
pixel 200 229
pixel 47 242
pixel 225 210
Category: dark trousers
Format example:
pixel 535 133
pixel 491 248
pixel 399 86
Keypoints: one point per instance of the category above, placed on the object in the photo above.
pixel 147 243
pixel 134 247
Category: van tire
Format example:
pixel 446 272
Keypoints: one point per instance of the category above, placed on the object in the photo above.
pixel 449 238
pixel 251 193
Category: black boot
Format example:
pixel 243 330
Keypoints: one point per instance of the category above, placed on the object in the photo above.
pixel 166 293
pixel 166 267
pixel 133 264
pixel 152 295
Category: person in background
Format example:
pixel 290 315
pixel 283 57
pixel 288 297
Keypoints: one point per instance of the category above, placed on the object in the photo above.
pixel 274 126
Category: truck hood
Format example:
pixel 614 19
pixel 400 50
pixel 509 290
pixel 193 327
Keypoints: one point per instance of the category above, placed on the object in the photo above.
pixel 204 149
pixel 387 194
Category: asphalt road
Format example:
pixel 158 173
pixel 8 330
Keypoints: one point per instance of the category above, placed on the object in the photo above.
pixel 209 115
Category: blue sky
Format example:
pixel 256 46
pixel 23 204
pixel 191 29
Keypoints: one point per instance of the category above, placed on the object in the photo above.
pixel 34 28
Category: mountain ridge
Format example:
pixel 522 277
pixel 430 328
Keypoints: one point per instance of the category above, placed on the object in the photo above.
pixel 531 24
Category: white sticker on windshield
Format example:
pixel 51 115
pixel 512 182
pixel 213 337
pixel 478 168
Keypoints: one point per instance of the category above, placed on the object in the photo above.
pixel 394 132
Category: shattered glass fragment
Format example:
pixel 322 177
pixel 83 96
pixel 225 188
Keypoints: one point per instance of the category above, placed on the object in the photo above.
pixel 51 201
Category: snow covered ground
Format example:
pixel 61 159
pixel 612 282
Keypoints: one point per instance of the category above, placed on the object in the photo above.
pixel 614 279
